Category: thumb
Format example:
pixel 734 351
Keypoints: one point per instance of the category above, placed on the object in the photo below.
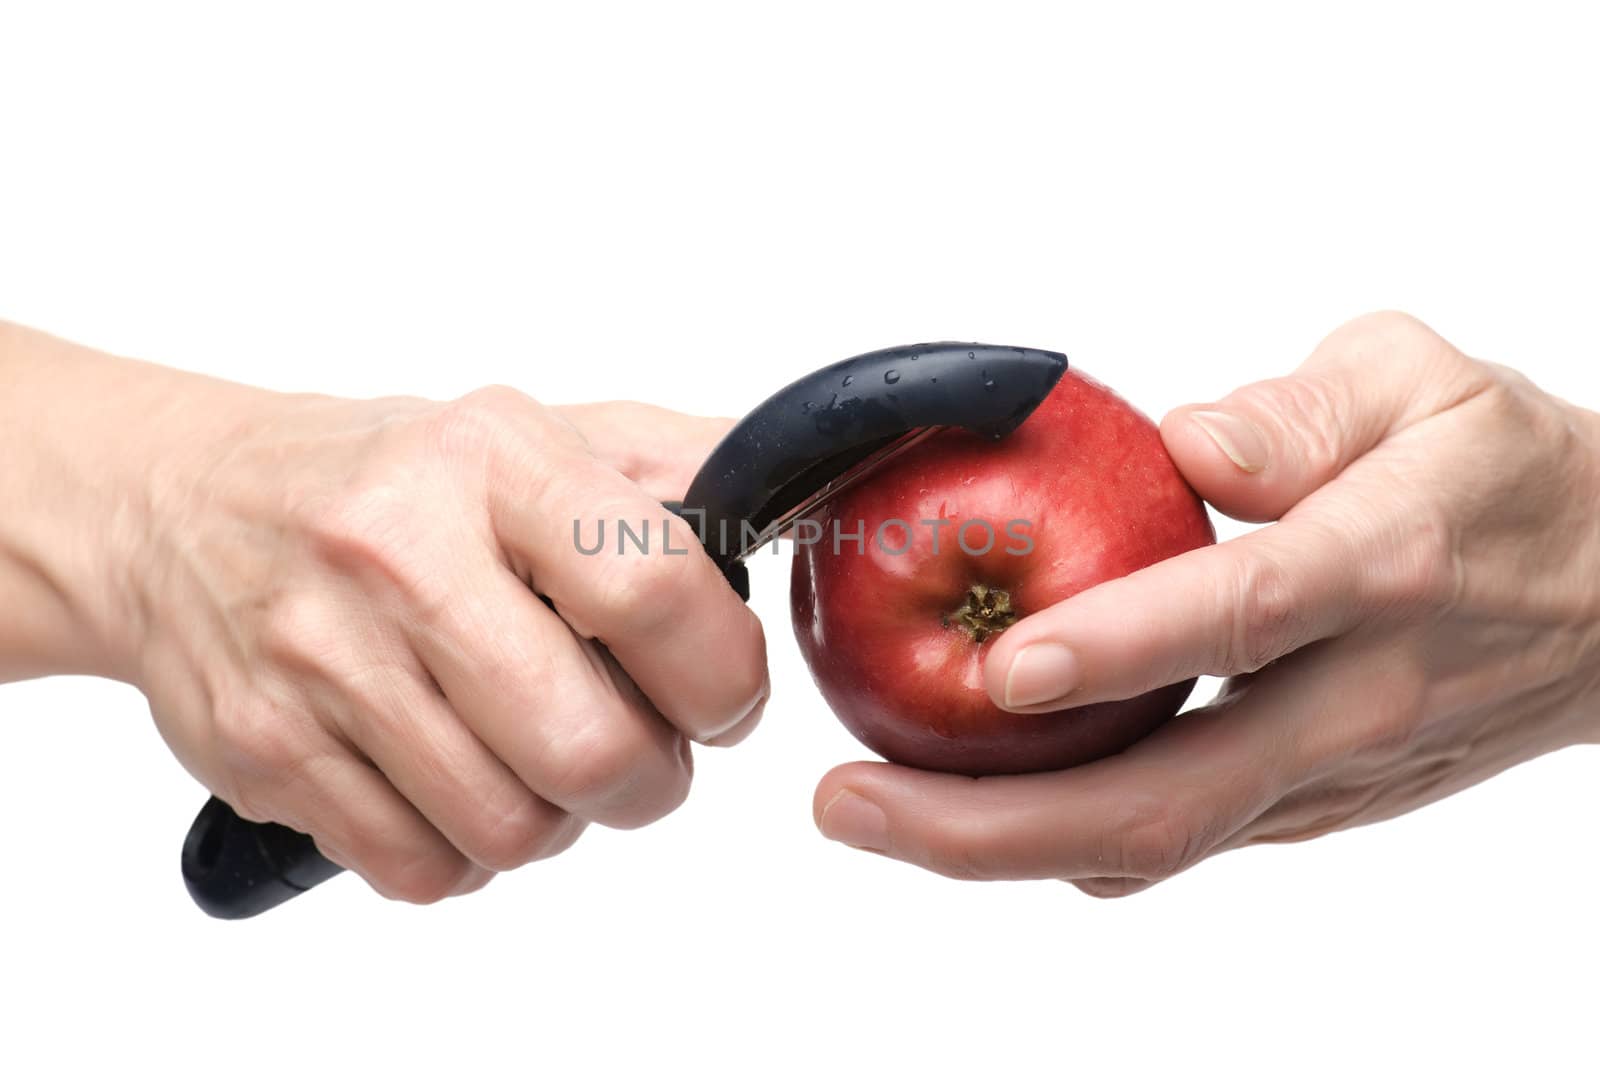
pixel 1267 446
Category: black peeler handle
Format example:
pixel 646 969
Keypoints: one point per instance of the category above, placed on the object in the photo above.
pixel 236 868
pixel 783 451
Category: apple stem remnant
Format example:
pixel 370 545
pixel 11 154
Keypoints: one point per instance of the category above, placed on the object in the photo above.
pixel 984 613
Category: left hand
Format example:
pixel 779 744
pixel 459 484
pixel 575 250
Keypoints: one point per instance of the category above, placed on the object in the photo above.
pixel 1424 614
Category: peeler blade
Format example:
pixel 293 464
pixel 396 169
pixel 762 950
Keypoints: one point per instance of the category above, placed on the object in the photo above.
pixel 861 470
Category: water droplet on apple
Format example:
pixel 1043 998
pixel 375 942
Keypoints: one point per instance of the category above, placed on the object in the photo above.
pixel 972 354
pixel 914 358
pixel 847 380
pixel 891 376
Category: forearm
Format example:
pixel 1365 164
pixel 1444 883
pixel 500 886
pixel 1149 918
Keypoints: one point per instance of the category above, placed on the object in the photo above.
pixel 86 444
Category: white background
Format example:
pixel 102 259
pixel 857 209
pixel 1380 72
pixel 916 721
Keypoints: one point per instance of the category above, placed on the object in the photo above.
pixel 693 204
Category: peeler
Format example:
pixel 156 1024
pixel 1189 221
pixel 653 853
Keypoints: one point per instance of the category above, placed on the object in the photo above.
pixel 787 457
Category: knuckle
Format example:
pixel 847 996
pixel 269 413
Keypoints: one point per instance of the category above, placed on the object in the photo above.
pixel 1386 335
pixel 1156 843
pixel 300 630
pixel 265 753
pixel 377 534
pixel 963 851
pixel 632 410
pixel 498 398
pixel 1421 570
pixel 257 743
pixel 643 594
pixel 362 528
pixel 1538 444
pixel 421 881
pixel 496 417
pixel 1506 378
pixel 519 833
pixel 1392 333
pixel 1268 621
pixel 469 426
pixel 1504 400
pixel 1513 404
pixel 600 767
pixel 1393 325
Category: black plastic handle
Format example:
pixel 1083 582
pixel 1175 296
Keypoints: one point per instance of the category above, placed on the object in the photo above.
pixel 781 453
pixel 236 868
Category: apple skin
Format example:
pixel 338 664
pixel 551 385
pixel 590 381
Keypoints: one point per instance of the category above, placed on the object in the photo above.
pixel 1103 499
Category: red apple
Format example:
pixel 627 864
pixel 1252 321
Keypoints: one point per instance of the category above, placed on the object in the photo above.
pixel 895 626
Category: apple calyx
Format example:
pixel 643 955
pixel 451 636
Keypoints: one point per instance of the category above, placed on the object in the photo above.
pixel 984 613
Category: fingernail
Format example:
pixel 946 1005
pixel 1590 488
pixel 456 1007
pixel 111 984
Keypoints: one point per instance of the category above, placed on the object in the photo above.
pixel 1237 438
pixel 852 820
pixel 1041 673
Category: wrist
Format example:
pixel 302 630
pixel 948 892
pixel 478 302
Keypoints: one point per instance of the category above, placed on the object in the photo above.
pixel 96 445
pixel 55 519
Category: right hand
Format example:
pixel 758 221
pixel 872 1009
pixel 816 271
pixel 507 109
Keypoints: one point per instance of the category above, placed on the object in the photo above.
pixel 1422 613
pixel 339 625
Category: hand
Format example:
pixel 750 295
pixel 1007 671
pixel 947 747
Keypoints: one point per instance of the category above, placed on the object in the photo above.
pixel 1424 614
pixel 338 626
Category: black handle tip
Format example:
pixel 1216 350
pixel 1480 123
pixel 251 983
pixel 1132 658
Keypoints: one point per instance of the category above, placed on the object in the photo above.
pixel 235 868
